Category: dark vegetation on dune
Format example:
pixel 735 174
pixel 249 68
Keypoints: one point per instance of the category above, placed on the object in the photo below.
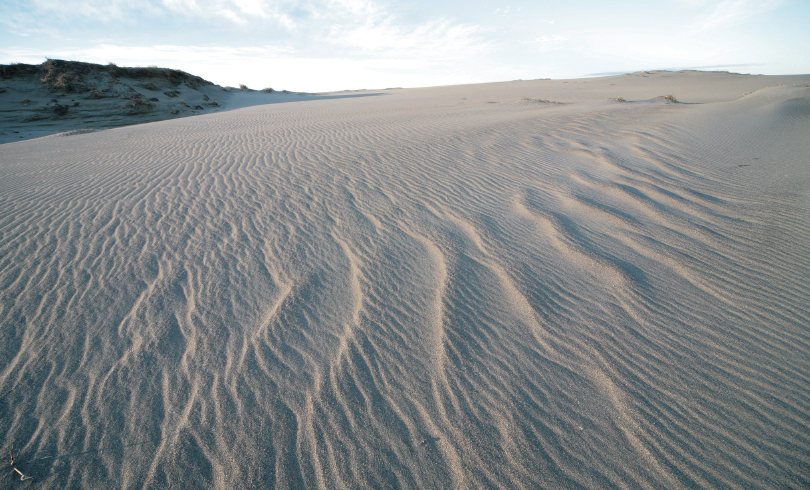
pixel 72 76
pixel 60 95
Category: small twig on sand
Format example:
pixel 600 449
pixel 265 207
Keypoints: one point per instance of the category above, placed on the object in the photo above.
pixel 22 476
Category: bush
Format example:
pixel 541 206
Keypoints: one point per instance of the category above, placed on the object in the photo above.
pixel 139 104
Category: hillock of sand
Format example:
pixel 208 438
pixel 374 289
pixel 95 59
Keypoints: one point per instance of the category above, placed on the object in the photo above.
pixel 58 95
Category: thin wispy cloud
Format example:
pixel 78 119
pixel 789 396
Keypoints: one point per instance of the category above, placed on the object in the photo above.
pixel 238 11
pixel 363 26
pixel 550 42
pixel 439 40
pixel 730 12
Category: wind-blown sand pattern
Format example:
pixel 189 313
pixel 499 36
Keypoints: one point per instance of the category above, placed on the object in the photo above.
pixel 453 287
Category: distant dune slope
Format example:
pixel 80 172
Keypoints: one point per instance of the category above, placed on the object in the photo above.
pixel 451 287
pixel 72 96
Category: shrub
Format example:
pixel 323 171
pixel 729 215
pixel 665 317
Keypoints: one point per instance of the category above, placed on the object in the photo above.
pixel 60 110
pixel 139 104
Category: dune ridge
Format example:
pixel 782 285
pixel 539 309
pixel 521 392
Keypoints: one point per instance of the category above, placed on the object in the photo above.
pixel 449 287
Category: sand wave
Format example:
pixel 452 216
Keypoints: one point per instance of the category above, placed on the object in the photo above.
pixel 390 292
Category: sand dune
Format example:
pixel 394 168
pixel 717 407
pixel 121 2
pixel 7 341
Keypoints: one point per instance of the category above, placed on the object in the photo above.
pixel 514 285
pixel 72 97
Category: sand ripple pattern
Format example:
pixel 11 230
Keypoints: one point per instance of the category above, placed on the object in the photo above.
pixel 358 293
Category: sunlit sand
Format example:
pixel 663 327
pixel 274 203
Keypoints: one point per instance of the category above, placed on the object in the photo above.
pixel 529 284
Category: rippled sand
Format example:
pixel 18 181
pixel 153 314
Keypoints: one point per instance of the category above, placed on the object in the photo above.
pixel 454 287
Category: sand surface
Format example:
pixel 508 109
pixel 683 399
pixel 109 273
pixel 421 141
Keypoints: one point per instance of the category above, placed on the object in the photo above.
pixel 510 285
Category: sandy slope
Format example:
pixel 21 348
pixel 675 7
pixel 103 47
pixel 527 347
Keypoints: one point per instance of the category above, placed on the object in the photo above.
pixel 72 97
pixel 452 287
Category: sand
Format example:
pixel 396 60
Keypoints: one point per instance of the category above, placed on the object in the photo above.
pixel 513 285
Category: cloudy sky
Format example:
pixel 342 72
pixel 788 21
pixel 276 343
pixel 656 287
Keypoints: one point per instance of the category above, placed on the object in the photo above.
pixel 320 45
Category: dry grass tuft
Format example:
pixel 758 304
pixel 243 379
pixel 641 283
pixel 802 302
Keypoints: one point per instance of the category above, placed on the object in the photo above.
pixel 541 101
pixel 74 132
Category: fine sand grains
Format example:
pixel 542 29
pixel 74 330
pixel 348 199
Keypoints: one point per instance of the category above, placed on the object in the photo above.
pixel 417 289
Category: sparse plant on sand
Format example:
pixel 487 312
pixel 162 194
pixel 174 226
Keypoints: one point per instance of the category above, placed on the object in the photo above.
pixel 243 86
pixel 670 98
pixel 12 463
pixel 268 90
pixel 620 99
pixel 139 104
pixel 806 84
pixel 61 110
pixel 541 101
pixel 74 132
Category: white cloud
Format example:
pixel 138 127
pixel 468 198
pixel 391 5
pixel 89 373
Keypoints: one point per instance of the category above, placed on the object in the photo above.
pixel 93 9
pixel 180 5
pixel 692 3
pixel 359 24
pixel 355 7
pixel 550 42
pixel 436 40
pixel 238 11
pixel 233 16
pixel 730 12
pixel 253 7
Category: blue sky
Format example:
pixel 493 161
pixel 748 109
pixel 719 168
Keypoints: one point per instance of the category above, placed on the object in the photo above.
pixel 320 45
